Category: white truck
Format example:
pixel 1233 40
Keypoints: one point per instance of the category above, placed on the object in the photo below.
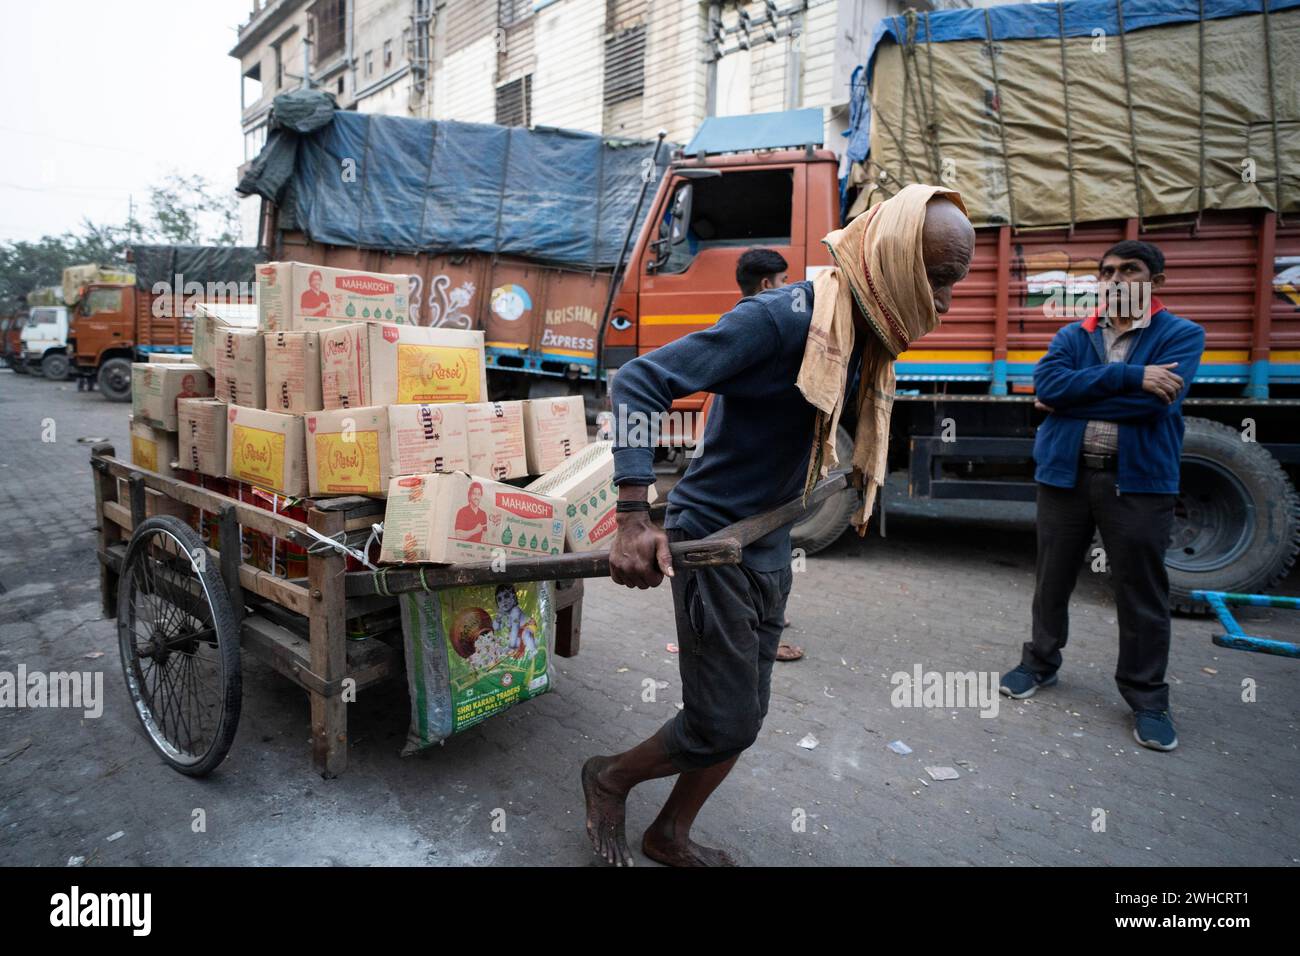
pixel 45 341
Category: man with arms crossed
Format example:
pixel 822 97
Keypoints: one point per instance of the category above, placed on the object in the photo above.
pixel 1107 458
pixel 778 364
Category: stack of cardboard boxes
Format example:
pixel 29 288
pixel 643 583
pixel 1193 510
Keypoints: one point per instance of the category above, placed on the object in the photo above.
pixel 334 392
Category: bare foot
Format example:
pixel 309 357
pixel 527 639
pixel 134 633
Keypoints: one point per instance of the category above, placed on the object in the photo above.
pixel 605 811
pixel 662 849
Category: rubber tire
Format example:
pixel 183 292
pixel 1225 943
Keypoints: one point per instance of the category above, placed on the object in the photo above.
pixel 823 526
pixel 110 370
pixel 56 367
pixel 1276 541
pixel 228 635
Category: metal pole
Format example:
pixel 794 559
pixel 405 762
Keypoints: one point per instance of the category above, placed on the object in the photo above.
pixel 615 278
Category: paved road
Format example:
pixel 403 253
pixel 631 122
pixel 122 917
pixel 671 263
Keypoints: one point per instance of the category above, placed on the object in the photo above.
pixel 944 592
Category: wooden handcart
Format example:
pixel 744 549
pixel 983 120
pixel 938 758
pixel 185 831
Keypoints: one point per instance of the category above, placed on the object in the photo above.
pixel 185 611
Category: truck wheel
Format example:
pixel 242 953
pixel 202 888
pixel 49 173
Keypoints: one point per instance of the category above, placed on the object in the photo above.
pixel 56 366
pixel 822 526
pixel 1236 519
pixel 115 380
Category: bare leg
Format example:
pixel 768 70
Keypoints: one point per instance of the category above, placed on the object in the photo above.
pixel 668 840
pixel 605 785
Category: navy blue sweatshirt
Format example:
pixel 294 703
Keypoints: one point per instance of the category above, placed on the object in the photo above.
pixel 756 445
pixel 1075 381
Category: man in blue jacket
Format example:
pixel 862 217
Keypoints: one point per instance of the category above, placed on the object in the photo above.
pixel 1107 459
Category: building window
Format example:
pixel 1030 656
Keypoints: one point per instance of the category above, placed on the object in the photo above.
pixel 254 140
pixel 515 102
pixel 370 63
pixel 327 29
pixel 388 54
pixel 251 90
pixel 510 12
pixel 279 66
pixel 625 65
pixel 340 86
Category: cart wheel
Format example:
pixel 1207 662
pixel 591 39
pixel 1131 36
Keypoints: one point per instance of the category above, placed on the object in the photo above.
pixel 179 641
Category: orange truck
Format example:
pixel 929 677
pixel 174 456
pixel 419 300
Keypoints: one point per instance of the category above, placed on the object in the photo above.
pixel 11 332
pixel 117 323
pixel 964 421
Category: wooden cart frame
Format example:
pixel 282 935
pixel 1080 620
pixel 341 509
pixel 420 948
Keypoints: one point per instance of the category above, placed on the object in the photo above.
pixel 299 627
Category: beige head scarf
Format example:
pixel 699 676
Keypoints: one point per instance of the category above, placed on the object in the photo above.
pixel 878 263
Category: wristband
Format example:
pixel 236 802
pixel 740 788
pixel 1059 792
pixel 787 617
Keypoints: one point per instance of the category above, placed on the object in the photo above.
pixel 623 506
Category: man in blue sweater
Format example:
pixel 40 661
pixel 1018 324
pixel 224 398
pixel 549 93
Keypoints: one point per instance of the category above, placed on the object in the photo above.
pixel 1107 459
pixel 756 455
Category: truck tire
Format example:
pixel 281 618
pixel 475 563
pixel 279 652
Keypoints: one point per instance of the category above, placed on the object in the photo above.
pixel 1236 520
pixel 822 526
pixel 56 367
pixel 115 380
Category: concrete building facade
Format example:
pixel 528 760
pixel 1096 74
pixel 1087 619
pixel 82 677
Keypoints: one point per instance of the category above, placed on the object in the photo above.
pixel 623 68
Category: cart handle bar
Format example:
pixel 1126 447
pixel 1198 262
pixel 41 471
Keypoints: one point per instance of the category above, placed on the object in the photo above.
pixel 721 547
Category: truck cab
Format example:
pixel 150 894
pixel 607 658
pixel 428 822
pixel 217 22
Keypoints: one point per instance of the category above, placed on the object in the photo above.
pixel 743 182
pixel 10 339
pixel 103 336
pixel 45 341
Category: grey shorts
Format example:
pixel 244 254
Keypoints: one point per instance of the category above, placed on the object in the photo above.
pixel 728 628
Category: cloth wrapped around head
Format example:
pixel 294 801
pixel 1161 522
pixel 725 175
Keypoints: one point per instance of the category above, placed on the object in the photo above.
pixel 879 265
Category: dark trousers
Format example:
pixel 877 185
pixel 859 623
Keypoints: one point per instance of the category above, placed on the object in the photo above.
pixel 728 629
pixel 1135 534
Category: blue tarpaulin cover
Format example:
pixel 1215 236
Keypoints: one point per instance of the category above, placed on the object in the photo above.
pixel 409 185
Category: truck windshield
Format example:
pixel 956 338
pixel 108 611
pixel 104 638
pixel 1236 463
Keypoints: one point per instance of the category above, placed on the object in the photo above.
pixel 740 208
pixel 103 300
pixel 43 317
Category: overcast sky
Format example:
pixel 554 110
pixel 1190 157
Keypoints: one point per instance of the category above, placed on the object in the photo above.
pixel 103 98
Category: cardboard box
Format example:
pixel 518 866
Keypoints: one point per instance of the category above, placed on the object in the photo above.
pixel 383 364
pixel 554 429
pixel 496 439
pixel 169 358
pixel 156 387
pixel 456 518
pixel 201 439
pixel 209 319
pixel 241 367
pixel 428 438
pixel 347 451
pixel 295 296
pixel 266 449
pixel 153 449
pixel 586 483
pixel 292 372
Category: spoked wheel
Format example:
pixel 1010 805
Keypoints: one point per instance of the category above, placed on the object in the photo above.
pixel 179 641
